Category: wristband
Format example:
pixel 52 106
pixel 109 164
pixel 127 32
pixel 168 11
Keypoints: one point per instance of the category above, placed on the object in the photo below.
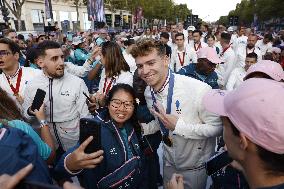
pixel 43 123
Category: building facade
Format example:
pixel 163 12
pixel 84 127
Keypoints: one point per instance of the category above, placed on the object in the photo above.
pixel 64 13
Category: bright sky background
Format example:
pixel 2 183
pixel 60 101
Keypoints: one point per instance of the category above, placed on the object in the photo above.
pixel 213 8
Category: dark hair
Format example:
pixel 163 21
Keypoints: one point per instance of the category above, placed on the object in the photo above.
pixel 133 120
pixel 114 61
pixel 197 31
pixel 14 47
pixel 252 55
pixel 45 45
pixel 7 31
pixel 165 35
pixel 8 108
pixel 226 37
pixel 268 36
pixel 21 37
pixel 179 34
pixel 120 87
pixel 31 56
pixel 145 46
pixel 211 36
pixel 274 163
pixel 268 56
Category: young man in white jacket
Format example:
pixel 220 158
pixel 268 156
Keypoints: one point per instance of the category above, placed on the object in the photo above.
pixel 188 130
pixel 64 101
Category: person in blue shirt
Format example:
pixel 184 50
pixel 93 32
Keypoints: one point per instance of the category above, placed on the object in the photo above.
pixel 203 70
pixel 121 162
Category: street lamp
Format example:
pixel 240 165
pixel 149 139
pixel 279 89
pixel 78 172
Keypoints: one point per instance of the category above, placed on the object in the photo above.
pixel 42 15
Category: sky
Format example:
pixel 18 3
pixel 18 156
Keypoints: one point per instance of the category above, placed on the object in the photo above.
pixel 210 10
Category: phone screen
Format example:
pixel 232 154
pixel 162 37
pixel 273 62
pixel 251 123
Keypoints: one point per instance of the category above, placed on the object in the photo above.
pixel 217 162
pixel 90 127
pixel 38 99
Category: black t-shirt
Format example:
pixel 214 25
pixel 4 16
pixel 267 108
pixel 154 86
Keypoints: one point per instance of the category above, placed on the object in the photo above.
pixel 281 186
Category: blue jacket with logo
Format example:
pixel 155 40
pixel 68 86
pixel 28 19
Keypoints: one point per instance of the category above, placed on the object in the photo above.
pixel 116 152
pixel 190 71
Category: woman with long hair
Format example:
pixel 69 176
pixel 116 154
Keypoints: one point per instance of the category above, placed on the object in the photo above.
pixel 116 70
pixel 11 115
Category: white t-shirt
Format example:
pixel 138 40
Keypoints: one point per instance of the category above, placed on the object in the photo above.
pixel 241 54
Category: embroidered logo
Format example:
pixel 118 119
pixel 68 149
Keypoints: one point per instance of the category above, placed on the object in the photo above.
pixel 65 93
pixel 113 151
pixel 178 109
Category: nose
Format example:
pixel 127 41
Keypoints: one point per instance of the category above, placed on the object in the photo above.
pixel 145 69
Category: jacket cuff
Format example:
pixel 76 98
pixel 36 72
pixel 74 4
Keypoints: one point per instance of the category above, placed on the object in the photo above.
pixel 180 127
pixel 70 172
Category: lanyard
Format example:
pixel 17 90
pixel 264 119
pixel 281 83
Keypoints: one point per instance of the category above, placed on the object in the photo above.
pixel 107 87
pixel 198 47
pixel 19 78
pixel 164 130
pixel 181 61
pixel 222 54
pixel 247 50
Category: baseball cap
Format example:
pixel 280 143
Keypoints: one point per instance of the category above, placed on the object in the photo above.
pixel 270 68
pixel 210 54
pixel 77 40
pixel 256 108
pixel 230 29
pixel 190 28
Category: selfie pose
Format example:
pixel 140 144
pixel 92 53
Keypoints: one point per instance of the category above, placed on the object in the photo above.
pixel 120 141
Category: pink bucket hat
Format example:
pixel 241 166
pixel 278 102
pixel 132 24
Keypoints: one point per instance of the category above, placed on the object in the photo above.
pixel 210 54
pixel 270 68
pixel 256 108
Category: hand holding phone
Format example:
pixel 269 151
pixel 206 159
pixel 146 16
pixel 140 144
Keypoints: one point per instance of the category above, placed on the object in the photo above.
pixel 88 98
pixel 89 127
pixel 38 99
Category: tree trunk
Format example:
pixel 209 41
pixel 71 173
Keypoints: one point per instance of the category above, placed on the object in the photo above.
pixel 77 10
pixel 19 24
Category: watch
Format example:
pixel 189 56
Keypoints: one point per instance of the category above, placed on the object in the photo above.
pixel 43 123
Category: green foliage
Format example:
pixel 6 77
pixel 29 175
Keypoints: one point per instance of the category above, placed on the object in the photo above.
pixel 152 9
pixel 264 9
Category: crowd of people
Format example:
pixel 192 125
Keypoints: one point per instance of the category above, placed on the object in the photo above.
pixel 193 92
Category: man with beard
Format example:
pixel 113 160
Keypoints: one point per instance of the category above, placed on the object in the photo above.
pixel 188 131
pixel 203 70
pixel 198 44
pixel 64 101
pixel 250 48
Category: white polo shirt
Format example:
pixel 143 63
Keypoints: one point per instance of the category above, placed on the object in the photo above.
pixel 187 56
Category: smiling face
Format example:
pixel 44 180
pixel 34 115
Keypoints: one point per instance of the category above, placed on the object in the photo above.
pixel 153 69
pixel 52 63
pixel 121 107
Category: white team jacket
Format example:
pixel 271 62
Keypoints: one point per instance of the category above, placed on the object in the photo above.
pixel 196 129
pixel 69 105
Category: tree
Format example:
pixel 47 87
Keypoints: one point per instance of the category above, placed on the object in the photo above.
pixel 15 7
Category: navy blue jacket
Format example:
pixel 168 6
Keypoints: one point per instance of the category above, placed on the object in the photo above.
pixel 190 71
pixel 115 153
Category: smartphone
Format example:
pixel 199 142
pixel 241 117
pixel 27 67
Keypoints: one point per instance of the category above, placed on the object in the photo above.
pixel 38 99
pixel 90 127
pixel 88 98
pixel 35 185
pixel 217 162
